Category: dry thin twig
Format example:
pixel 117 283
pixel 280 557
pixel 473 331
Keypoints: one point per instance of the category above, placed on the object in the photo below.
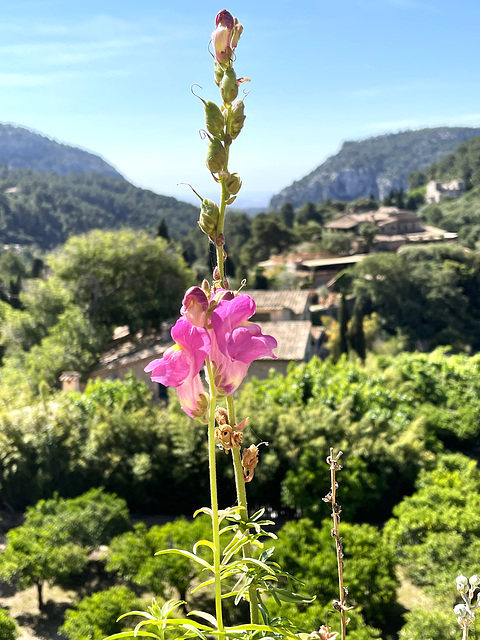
pixel 341 604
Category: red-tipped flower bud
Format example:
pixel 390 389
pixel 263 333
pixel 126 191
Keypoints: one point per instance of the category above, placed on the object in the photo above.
pixel 225 37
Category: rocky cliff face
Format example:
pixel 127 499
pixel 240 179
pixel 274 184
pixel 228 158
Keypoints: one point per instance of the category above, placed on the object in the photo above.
pixel 24 149
pixel 373 166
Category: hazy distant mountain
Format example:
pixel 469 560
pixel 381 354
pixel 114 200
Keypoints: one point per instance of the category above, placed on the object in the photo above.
pixel 24 149
pixel 374 166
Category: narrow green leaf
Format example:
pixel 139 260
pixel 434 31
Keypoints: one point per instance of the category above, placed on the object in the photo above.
pixel 187 554
pixel 205 616
pixel 203 584
pixel 203 543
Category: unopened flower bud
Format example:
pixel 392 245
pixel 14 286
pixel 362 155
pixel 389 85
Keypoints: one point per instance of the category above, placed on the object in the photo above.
pixel 466 617
pixel 216 156
pixel 462 584
pixel 233 183
pixel 238 118
pixel 225 37
pixel 214 119
pixel 229 86
pixel 236 33
pixel 209 214
pixel 474 581
pixel 216 274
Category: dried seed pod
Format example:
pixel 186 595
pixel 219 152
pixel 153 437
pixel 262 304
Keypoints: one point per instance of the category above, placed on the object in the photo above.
pixel 238 118
pixel 214 119
pixel 216 156
pixel 229 86
pixel 209 213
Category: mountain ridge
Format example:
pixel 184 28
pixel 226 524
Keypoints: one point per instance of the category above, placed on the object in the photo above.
pixel 374 165
pixel 23 148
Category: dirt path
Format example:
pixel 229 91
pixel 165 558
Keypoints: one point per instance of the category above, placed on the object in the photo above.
pixel 23 606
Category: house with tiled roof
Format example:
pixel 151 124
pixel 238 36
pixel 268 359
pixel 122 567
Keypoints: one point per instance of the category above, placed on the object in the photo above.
pixel 132 354
pixel 297 342
pixel 275 306
pixel 396 227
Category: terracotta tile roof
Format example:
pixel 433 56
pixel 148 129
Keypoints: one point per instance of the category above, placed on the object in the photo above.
pixel 273 300
pixel 293 338
pixel 133 351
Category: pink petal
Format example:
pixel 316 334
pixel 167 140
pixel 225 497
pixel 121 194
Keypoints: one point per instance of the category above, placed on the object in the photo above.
pixel 190 394
pixel 194 307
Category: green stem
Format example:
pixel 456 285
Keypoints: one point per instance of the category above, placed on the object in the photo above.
pixel 242 501
pixel 214 499
pixel 225 195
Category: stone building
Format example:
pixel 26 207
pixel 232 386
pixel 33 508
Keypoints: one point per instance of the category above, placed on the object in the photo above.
pixel 437 191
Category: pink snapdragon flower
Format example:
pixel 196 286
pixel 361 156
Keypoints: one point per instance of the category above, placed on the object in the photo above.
pixel 236 342
pixel 181 364
pixel 225 335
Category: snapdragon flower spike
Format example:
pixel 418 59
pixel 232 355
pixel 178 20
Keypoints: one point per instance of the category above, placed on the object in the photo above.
pixel 218 328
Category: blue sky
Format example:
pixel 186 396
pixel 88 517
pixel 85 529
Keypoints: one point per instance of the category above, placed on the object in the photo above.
pixel 115 78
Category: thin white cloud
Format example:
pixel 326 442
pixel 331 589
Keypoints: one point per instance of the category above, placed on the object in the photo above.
pixel 57 53
pixel 23 80
pixel 33 80
pixel 466 119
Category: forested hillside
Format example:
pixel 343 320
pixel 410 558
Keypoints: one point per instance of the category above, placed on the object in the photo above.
pixel 463 163
pixel 46 208
pixel 462 215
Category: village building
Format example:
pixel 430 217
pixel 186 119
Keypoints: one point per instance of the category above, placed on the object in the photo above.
pixel 275 306
pixel 438 191
pixel 297 342
pixel 396 227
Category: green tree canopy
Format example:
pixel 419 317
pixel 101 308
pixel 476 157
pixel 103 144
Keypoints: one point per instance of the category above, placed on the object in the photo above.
pixel 122 278
pixel 96 616
pixel 132 555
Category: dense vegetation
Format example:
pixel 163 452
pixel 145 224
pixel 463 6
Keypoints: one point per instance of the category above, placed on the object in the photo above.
pixel 402 421
pixel 46 208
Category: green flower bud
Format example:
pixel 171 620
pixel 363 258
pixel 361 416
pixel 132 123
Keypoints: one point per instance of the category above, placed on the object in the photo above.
pixel 233 183
pixel 218 75
pixel 216 155
pixel 475 581
pixel 214 119
pixel 229 86
pixel 238 118
pixel 209 214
